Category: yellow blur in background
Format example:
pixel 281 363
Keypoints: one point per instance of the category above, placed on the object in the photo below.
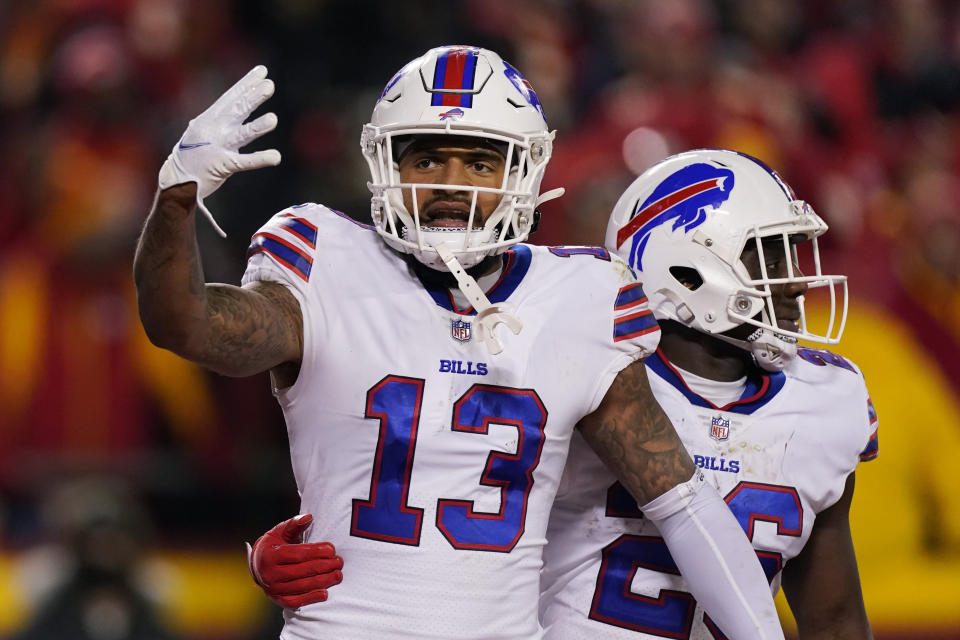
pixel 905 515
pixel 198 594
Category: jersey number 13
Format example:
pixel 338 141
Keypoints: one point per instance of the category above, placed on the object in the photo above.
pixel 387 515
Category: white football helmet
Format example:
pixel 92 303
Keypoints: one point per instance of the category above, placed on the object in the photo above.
pixel 462 91
pixel 691 216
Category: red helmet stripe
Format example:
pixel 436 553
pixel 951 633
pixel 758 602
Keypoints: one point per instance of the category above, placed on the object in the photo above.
pixel 645 215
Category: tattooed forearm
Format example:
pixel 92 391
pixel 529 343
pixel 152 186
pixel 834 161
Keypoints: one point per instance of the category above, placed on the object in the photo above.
pixel 231 330
pixel 167 271
pixel 635 439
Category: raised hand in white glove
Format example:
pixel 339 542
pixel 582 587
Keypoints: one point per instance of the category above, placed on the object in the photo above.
pixel 208 152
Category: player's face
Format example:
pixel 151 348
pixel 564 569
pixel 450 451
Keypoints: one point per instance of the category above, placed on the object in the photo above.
pixel 452 162
pixel 785 296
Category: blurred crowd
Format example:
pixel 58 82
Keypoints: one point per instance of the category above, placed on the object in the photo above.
pixel 855 102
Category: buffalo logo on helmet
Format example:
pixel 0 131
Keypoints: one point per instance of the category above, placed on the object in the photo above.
pixel 681 198
pixel 398 75
pixel 453 114
pixel 524 87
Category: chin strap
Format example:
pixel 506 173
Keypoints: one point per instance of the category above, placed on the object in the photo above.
pixel 771 351
pixel 488 315
pixel 547 196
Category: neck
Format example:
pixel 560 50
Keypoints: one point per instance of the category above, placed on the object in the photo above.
pixel 702 354
pixel 444 279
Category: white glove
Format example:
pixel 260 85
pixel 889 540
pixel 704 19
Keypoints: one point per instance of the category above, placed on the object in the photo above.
pixel 208 151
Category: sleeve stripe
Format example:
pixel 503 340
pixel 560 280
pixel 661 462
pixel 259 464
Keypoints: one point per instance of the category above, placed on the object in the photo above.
pixel 287 254
pixel 630 305
pixel 632 316
pixel 301 229
pixel 634 325
pixel 873 447
pixel 629 296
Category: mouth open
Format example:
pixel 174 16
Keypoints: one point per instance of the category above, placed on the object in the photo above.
pixel 788 324
pixel 446 215
pixel 445 223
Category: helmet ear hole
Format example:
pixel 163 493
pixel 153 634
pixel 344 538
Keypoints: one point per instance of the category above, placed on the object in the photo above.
pixel 688 277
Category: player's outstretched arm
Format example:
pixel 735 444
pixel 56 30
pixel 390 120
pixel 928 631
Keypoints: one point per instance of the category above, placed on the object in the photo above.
pixel 228 329
pixel 232 330
pixel 822 584
pixel 633 436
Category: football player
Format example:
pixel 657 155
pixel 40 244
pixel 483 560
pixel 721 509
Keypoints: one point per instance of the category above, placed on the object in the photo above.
pixel 718 240
pixel 432 368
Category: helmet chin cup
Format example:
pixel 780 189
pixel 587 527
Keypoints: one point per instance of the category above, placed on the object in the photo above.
pixel 429 238
pixel 772 351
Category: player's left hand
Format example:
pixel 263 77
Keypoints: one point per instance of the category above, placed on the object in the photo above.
pixel 293 573
pixel 208 152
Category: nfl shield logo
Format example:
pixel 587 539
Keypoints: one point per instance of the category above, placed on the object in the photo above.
pixel 719 428
pixel 460 330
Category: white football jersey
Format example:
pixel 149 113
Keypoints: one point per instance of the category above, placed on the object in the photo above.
pixel 779 456
pixel 428 462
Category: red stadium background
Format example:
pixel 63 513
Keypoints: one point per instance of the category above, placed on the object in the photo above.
pixel 112 451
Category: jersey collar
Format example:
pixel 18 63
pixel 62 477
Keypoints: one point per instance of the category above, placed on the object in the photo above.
pixel 516 263
pixel 761 388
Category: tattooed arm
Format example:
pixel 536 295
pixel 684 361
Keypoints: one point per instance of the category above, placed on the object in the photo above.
pixel 635 439
pixel 232 330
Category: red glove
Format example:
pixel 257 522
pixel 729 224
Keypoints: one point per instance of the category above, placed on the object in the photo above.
pixel 293 573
